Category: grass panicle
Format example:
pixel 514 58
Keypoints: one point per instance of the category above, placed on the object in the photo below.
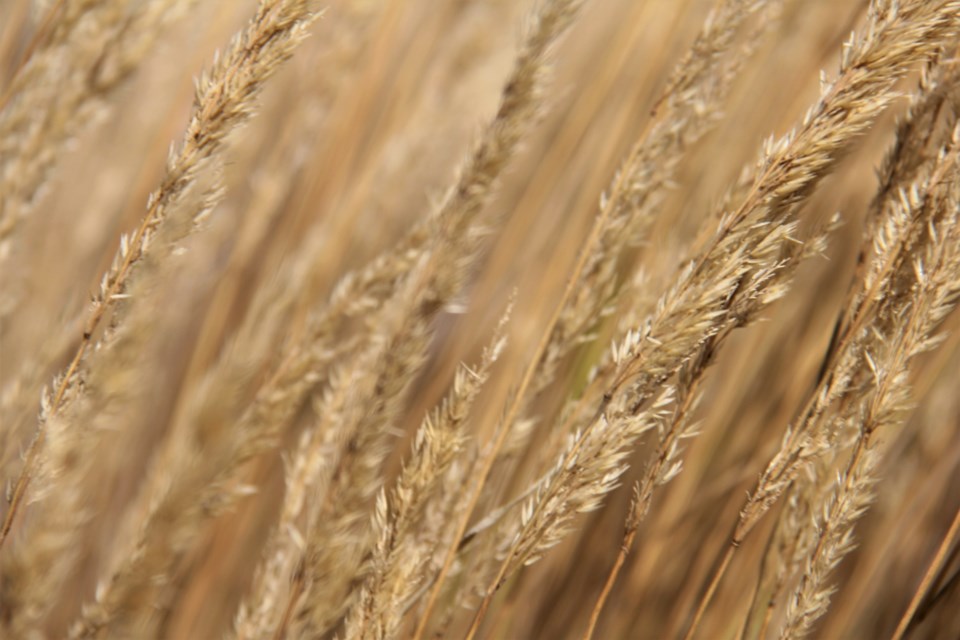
pixel 259 423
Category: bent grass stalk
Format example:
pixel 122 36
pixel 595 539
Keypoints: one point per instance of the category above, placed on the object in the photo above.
pixel 791 169
pixel 936 565
pixel 283 399
pixel 588 257
pixel 224 101
pixel 772 485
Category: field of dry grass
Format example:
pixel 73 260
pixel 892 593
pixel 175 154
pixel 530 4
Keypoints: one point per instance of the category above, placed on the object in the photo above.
pixel 480 319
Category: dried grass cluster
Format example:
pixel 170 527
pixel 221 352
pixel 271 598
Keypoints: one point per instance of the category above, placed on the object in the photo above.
pixel 324 386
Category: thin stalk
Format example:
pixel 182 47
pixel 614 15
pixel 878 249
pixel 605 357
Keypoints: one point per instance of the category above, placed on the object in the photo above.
pixel 936 565
pixel 712 589
pixel 89 327
pixel 516 405
pixel 638 511
pixel 513 412
pixel 35 41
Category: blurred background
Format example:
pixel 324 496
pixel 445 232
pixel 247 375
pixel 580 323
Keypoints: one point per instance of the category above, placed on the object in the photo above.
pixel 355 138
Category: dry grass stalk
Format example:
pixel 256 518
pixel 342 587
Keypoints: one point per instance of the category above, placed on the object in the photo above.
pixel 890 239
pixel 547 25
pixel 305 366
pixel 355 433
pixel 743 267
pixel 400 557
pixel 224 100
pixel 86 51
pixel 906 217
pixel 688 109
pixel 338 537
pixel 117 381
pixel 699 84
pixel 448 251
pixel 692 98
pixel 809 438
pixel 157 491
pixel 905 328
pixel 937 565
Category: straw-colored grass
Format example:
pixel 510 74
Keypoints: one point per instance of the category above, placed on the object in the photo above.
pixel 714 350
